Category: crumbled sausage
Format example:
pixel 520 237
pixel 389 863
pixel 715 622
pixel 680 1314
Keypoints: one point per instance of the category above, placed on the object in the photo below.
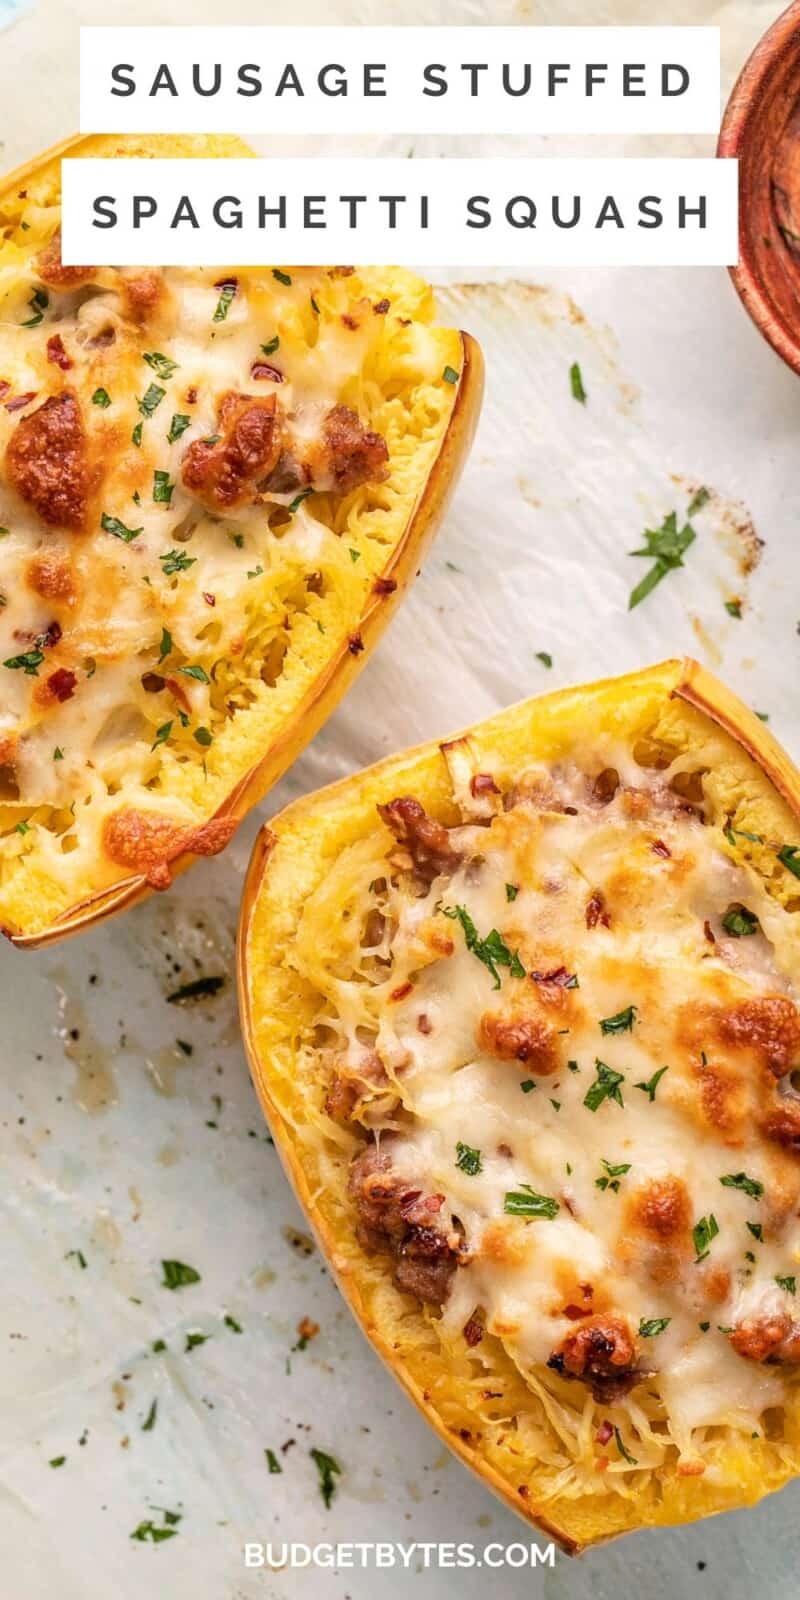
pixel 602 1353
pixel 47 462
pixel 395 1216
pixel 427 841
pixel 229 472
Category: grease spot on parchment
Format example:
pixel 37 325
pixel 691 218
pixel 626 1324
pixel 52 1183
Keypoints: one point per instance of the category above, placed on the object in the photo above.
pixel 94 1087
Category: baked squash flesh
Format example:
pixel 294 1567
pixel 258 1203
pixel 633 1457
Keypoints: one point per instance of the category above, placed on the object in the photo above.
pixel 214 485
pixel 522 1012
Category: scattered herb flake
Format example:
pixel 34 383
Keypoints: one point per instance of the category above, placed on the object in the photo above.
pixel 227 293
pixel 667 546
pixel 739 922
pixel 56 1461
pixel 284 278
pixel 101 398
pixel 740 1180
pixel 150 1420
pixel 162 734
pixel 28 662
pixel 162 365
pixel 298 500
pixel 193 1340
pixel 230 1322
pixel 649 1329
pixel 272 1461
pixel 468 1160
pixel 175 561
pixel 38 303
pixel 328 1468
pixel 180 422
pixel 177 1275
pixel 734 609
pixel 198 673
pixel 450 375
pixel 605 1087
pixel 623 1450
pixel 271 346
pixel 119 529
pixel 545 657
pixel 512 890
pixel 492 951
pixel 790 1284
pixel 621 1022
pixel 162 488
pixel 649 1088
pixel 147 405
pixel 165 647
pixel 576 384
pixel 702 1233
pixel 525 1202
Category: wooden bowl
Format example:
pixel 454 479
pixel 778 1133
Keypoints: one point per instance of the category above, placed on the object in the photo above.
pixel 761 127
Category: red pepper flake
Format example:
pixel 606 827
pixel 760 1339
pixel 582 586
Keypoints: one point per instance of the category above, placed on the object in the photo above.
pixel 381 307
pixel 433 1202
pixel 659 848
pixel 401 992
pixel 21 400
pixel 350 322
pixel 473 1331
pixel 423 1023
pixel 62 683
pixel 227 283
pixel 50 637
pixel 56 352
pixel 604 1433
pixel 191 396
pixel 559 976
pixel 576 1312
pixel 210 599
pixel 709 932
pixel 263 369
pixel 483 783
pixel 596 911
pixel 384 586
pixel 355 644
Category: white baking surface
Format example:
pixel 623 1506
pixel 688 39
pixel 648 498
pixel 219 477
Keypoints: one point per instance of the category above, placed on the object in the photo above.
pixel 107 1147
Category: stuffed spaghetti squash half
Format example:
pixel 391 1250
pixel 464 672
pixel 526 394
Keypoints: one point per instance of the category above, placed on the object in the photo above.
pixel 522 1011
pixel 214 486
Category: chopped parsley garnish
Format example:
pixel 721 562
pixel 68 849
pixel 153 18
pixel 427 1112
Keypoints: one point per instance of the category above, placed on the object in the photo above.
pixel 527 1085
pixel 58 754
pixel 284 278
pixel 623 1450
pixel 739 922
pixel 468 1160
pixel 272 1461
pixel 22 827
pixel 790 1284
pixel 732 834
pixel 704 1326
pixel 327 1466
pixel 76 1255
pixel 700 499
pixel 136 436
pixel 176 561
pixel 314 306
pixel 702 1233
pixel 150 1420
pixel 298 500
pixel 734 609
pixel 160 364
pixel 29 662
pixel 605 1087
pixel 492 951
pixel 576 384
pixel 102 398
pixel 649 1088
pixel 198 988
pixel 656 1325
pixel 512 890
pixel 56 1461
pixel 38 303
pixel 193 1340
pixel 177 1275
pixel 789 857
pixel 204 736
pixel 621 1022
pixel 157 1345
pixel 525 1202
pixel 612 1175
pixel 119 529
pixel 757 1230
pixel 148 1530
pixel 740 1180
pixel 148 403
pixel 545 657
pixel 450 375
pixel 162 488
pixel 162 734
pixel 227 292
pixel 666 546
pixel 255 572
pixel 763 716
pixel 180 422
pixel 198 673
pixel 165 647
pixel 230 1322
pixel 271 346
pixel 355 555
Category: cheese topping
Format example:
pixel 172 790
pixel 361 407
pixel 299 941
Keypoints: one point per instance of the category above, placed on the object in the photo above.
pixel 201 476
pixel 568 1026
